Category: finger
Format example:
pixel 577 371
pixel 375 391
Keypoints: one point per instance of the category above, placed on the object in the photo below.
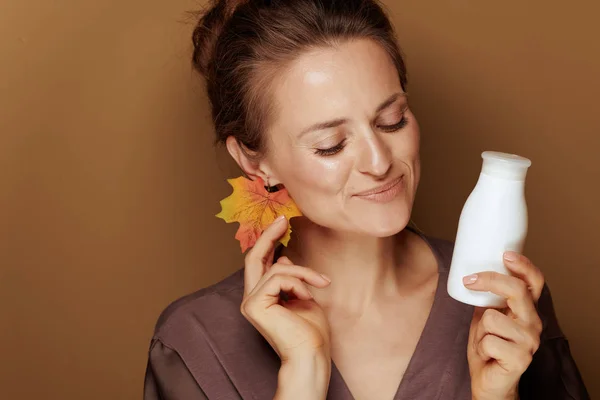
pixel 508 355
pixel 267 294
pixel 262 308
pixel 269 259
pixel 494 322
pixel 283 295
pixel 305 274
pixel 474 337
pixel 281 260
pixel 518 297
pixel 256 259
pixel 523 268
pixel 284 260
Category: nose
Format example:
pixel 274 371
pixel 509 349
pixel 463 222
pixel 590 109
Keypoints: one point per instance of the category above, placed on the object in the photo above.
pixel 375 156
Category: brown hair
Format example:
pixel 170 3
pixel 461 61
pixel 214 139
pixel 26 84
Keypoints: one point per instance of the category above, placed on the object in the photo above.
pixel 239 46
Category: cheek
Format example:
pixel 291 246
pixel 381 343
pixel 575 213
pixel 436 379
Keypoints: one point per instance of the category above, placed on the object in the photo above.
pixel 313 180
pixel 417 173
pixel 406 145
pixel 406 151
pixel 416 156
pixel 414 135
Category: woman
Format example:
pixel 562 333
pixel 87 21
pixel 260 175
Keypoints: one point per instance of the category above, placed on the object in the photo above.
pixel 310 95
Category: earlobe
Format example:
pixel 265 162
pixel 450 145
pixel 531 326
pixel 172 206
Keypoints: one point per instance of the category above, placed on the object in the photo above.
pixel 252 166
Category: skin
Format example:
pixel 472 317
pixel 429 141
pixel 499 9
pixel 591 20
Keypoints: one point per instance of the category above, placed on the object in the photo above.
pixel 361 285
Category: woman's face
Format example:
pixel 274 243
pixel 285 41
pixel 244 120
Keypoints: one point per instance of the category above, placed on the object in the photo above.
pixel 343 140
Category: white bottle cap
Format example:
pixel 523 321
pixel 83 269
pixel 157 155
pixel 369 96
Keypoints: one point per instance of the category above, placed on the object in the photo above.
pixel 505 165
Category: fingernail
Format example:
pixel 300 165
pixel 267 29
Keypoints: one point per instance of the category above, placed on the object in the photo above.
pixel 326 278
pixel 470 279
pixel 279 219
pixel 511 256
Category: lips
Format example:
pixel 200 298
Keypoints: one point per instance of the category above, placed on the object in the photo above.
pixel 381 189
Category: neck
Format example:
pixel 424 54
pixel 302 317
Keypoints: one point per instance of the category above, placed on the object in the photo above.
pixel 363 269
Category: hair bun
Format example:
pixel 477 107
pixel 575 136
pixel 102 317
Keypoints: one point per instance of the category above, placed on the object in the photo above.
pixel 209 28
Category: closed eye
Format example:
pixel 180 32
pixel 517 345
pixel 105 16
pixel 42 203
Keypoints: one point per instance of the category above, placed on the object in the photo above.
pixel 331 150
pixel 396 127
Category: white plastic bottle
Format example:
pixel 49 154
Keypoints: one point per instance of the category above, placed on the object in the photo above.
pixel 493 220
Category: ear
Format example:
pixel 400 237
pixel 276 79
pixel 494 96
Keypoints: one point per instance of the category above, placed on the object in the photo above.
pixel 249 162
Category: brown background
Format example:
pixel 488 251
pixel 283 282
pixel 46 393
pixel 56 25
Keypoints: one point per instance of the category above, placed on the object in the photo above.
pixel 109 181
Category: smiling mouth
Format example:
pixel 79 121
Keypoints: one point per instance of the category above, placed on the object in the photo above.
pixel 381 189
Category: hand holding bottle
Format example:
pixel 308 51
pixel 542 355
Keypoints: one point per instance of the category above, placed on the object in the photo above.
pixel 502 342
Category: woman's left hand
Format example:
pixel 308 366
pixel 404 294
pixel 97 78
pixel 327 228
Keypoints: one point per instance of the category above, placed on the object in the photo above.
pixel 502 342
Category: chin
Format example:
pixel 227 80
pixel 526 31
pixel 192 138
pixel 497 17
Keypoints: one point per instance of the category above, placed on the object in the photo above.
pixel 383 220
pixel 385 225
pixel 386 230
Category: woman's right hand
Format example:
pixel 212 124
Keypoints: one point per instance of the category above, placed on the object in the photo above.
pixel 297 329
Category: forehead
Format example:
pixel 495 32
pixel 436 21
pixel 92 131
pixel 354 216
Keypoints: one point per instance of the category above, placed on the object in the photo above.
pixel 345 81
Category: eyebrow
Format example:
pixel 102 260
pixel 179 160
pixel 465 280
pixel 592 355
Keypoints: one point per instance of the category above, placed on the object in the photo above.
pixel 340 121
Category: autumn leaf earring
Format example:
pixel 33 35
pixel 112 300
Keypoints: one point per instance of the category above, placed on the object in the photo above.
pixel 255 206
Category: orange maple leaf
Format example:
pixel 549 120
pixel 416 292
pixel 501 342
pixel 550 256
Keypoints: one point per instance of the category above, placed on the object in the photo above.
pixel 255 209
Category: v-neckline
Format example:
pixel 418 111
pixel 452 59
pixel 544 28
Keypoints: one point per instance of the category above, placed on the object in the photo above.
pixel 336 375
